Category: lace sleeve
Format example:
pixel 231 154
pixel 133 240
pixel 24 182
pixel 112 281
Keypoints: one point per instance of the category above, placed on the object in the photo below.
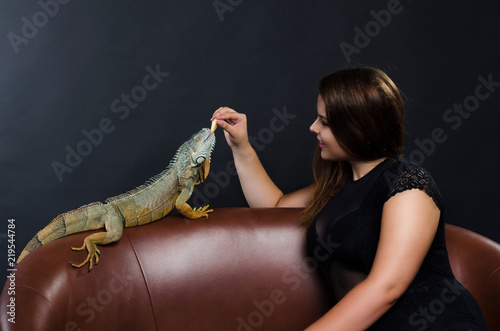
pixel 415 178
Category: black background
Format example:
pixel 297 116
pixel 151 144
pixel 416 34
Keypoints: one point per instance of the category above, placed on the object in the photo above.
pixel 262 58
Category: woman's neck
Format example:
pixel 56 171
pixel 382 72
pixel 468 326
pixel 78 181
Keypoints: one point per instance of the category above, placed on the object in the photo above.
pixel 361 168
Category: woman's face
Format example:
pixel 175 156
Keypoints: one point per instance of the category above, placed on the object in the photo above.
pixel 330 148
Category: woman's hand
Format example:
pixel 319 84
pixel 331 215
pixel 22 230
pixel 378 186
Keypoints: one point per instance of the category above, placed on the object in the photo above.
pixel 234 125
pixel 258 188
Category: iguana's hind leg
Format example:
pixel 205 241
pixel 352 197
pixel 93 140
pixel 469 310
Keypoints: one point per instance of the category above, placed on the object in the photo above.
pixel 94 252
pixel 114 230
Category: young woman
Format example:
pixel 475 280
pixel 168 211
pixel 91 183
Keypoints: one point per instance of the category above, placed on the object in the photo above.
pixel 391 270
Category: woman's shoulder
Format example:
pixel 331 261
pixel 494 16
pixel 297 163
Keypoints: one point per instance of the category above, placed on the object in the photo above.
pixel 402 175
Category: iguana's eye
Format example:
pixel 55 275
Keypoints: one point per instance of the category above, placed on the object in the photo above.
pixel 200 160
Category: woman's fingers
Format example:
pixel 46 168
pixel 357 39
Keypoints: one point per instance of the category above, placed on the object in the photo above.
pixel 223 113
pixel 227 118
pixel 233 123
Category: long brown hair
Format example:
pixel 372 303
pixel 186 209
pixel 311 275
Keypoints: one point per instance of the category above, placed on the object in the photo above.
pixel 365 112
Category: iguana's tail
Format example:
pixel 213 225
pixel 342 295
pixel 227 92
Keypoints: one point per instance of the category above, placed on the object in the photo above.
pixel 85 218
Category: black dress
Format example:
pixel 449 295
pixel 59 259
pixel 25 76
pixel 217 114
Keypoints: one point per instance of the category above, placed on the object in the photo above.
pixel 343 239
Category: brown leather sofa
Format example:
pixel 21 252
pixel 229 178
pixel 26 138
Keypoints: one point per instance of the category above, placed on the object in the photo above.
pixel 242 269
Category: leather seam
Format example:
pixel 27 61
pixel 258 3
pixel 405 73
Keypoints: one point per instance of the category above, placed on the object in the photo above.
pixel 44 297
pixel 144 278
pixel 493 274
pixel 484 288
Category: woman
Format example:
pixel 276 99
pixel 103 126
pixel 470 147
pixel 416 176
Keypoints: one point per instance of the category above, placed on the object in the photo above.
pixel 391 269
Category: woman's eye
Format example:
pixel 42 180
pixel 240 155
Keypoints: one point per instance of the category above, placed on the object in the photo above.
pixel 322 120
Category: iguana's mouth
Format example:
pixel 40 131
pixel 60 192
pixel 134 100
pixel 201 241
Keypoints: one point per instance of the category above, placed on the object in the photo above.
pixel 212 129
pixel 208 136
pixel 208 140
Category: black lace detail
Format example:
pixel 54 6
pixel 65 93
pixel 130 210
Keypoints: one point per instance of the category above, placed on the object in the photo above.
pixel 414 177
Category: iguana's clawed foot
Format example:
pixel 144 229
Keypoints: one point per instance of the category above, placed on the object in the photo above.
pixel 93 254
pixel 201 211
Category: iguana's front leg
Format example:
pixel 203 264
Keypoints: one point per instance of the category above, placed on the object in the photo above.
pixel 114 230
pixel 184 208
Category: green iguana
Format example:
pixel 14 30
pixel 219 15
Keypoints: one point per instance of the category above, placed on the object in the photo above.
pixel 145 204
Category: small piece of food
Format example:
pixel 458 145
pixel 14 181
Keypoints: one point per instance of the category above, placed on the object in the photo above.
pixel 214 126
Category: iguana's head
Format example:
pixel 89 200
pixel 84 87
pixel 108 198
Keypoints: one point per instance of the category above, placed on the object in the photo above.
pixel 200 147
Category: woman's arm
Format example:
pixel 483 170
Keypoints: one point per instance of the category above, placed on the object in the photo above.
pixel 258 188
pixel 409 224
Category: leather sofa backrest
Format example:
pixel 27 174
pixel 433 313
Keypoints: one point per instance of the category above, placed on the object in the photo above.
pixel 475 261
pixel 242 269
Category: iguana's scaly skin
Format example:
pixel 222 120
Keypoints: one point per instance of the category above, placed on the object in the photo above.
pixel 145 204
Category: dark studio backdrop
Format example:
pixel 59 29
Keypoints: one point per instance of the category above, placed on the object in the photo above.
pixel 96 96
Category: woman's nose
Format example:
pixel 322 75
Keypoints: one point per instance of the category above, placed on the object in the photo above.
pixel 312 128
